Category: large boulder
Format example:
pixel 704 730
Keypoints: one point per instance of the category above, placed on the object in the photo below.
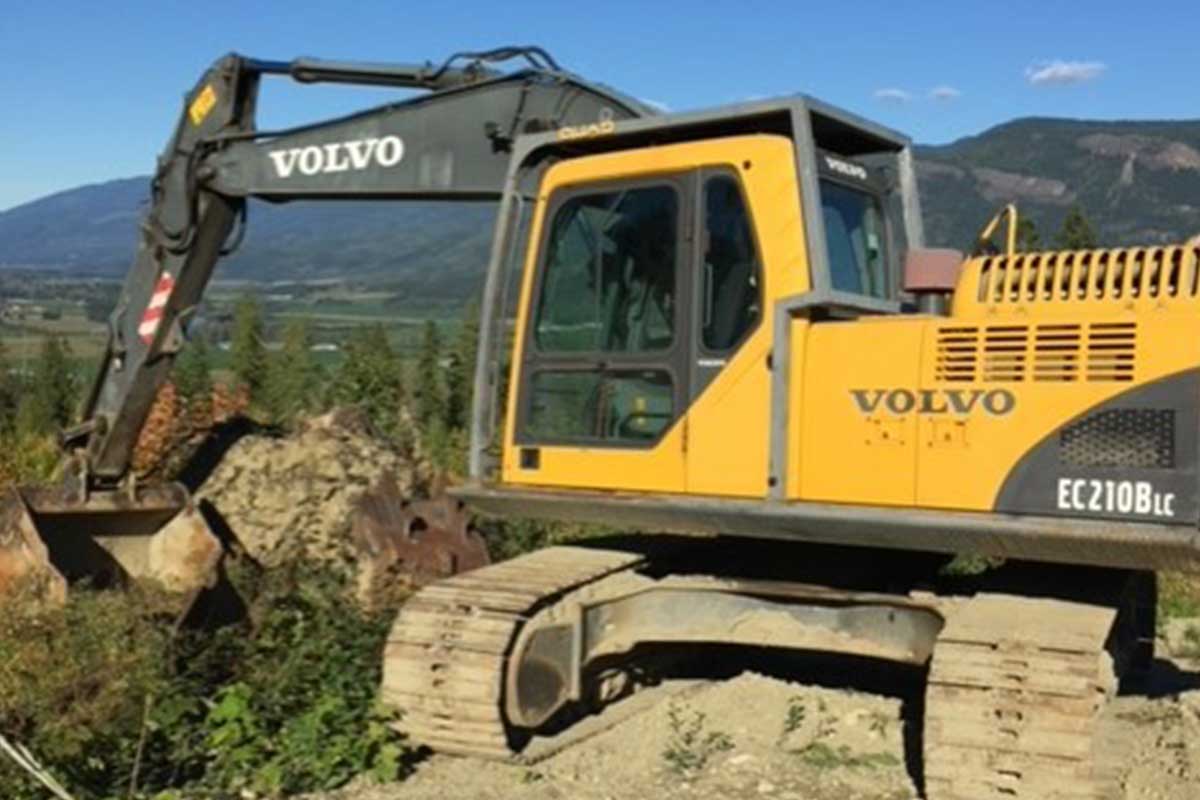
pixel 335 494
pixel 295 496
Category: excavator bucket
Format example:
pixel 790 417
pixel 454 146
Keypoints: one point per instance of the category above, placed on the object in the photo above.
pixel 403 543
pixel 50 538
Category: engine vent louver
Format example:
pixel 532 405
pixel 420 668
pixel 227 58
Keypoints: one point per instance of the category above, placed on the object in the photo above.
pixel 1056 353
pixel 1110 351
pixel 1135 438
pixel 1128 274
pixel 957 354
pixel 1005 353
pixel 1101 351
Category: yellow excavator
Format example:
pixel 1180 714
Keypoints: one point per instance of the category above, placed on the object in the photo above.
pixel 723 327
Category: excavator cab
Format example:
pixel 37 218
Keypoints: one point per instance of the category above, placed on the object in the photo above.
pixel 767 215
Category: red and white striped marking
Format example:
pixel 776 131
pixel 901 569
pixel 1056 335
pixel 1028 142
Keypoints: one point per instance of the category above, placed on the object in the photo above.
pixel 154 312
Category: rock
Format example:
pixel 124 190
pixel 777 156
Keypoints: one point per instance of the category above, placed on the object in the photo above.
pixel 294 496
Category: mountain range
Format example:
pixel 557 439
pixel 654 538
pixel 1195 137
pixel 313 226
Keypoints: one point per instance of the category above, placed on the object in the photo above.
pixel 1137 182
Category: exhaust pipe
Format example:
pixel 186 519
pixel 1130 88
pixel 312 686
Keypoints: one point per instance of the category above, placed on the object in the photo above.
pixel 50 538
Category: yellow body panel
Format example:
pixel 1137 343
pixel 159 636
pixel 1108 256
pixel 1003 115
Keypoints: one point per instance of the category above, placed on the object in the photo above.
pixel 658 469
pixel 937 458
pixel 844 455
pixel 719 446
pixel 800 330
pixel 1054 334
pixel 1136 281
pixel 727 429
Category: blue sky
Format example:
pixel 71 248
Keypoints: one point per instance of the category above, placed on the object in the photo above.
pixel 90 90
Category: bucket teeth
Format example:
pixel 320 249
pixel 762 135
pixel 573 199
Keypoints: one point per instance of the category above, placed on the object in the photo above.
pixel 424 540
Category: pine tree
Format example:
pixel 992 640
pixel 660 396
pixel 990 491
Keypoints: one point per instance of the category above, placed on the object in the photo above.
pixel 460 377
pixel 293 377
pixel 1029 239
pixel 430 393
pixel 248 354
pixel 9 391
pixel 192 373
pixel 48 402
pixel 371 378
pixel 1076 232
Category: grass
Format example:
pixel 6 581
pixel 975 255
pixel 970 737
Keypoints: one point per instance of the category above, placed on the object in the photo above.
pixel 332 322
pixel 690 745
pixel 24 339
pixel 1178 595
pixel 818 753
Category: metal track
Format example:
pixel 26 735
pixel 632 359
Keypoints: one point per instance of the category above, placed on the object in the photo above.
pixel 444 665
pixel 1016 687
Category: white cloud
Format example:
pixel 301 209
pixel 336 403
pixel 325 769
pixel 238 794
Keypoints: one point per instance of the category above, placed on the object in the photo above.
pixel 892 95
pixel 1047 73
pixel 945 93
pixel 658 106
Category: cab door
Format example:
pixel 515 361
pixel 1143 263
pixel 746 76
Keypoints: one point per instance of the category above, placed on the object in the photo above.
pixel 604 357
pixel 730 380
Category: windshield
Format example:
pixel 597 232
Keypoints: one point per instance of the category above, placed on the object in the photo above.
pixel 854 235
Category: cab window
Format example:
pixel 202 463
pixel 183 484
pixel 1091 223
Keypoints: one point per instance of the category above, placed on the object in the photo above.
pixel 609 280
pixel 633 406
pixel 854 235
pixel 731 305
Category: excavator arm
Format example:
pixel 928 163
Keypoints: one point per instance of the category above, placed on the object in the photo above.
pixel 451 141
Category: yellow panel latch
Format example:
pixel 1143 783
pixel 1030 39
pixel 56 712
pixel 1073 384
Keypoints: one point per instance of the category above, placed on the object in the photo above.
pixel 203 104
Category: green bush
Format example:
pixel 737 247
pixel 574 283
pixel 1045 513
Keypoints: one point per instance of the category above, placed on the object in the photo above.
pixel 297 711
pixel 73 689
pixel 107 697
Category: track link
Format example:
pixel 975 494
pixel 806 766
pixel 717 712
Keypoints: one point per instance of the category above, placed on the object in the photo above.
pixel 446 656
pixel 1012 710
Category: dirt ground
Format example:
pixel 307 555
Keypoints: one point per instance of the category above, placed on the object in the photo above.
pixel 761 737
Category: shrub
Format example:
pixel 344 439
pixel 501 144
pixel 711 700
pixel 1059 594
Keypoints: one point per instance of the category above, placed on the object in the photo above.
pixel 690 746
pixel 27 458
pixel 107 697
pixel 296 710
pixel 74 688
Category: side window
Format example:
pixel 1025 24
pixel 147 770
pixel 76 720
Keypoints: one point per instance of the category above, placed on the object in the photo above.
pixel 615 405
pixel 854 235
pixel 731 304
pixel 609 277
